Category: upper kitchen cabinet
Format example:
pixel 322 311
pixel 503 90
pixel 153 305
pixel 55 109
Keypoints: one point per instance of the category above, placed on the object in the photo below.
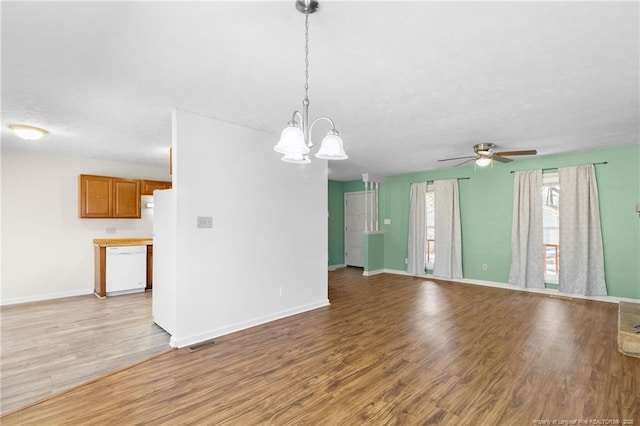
pixel 126 198
pixel 148 186
pixel 96 196
pixel 109 197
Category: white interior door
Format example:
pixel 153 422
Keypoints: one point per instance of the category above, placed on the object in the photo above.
pixel 354 223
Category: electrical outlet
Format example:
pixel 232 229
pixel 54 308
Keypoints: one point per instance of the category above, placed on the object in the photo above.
pixel 387 221
pixel 406 260
pixel 205 222
pixel 485 266
pixel 282 290
pixel 111 230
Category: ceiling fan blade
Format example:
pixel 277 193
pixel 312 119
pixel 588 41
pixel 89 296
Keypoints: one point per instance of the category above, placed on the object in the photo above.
pixel 457 158
pixel 465 162
pixel 522 152
pixel 500 159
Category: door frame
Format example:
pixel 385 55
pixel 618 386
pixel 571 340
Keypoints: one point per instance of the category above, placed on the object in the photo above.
pixel 344 213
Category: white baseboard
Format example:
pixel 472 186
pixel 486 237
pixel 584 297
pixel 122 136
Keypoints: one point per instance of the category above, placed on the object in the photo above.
pixel 399 272
pixel 545 291
pixel 181 342
pixel 48 296
pixel 334 267
pixel 374 272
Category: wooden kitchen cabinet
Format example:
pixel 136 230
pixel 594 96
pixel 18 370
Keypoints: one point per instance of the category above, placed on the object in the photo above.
pixel 100 271
pixel 148 186
pixel 109 197
pixel 96 196
pixel 126 198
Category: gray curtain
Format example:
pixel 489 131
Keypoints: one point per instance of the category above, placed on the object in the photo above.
pixel 448 235
pixel 527 247
pixel 417 229
pixel 581 252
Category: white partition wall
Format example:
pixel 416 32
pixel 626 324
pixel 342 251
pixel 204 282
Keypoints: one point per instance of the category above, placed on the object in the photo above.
pixel 265 255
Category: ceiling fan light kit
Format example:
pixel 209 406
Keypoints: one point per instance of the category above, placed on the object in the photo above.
pixel 295 140
pixel 483 161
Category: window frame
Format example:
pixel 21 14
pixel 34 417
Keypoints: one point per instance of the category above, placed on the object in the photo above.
pixel 551 246
pixel 429 256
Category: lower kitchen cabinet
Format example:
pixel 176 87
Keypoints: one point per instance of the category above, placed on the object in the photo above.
pixel 149 267
pixel 100 261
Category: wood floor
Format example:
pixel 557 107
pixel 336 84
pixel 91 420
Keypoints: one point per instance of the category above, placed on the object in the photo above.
pixel 389 350
pixel 51 346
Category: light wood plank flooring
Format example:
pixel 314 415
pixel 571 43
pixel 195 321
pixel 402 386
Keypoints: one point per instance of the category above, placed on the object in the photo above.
pixel 389 350
pixel 50 346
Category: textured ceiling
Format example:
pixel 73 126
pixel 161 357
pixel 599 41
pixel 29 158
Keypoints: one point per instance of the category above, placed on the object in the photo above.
pixel 406 83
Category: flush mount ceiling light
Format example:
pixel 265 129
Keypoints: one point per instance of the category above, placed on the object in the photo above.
pixel 295 140
pixel 29 133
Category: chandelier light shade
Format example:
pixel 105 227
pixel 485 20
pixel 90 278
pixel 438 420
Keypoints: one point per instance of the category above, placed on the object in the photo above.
pixel 331 148
pixel 29 133
pixel 295 140
pixel 291 141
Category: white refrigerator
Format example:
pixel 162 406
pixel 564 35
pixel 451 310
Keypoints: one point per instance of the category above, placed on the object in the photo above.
pixel 165 260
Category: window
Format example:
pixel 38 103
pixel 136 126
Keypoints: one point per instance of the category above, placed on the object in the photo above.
pixel 550 225
pixel 430 247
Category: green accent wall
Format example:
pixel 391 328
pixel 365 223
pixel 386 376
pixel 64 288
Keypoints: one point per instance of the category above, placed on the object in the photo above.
pixel 373 252
pixel 486 209
pixel 336 191
pixel 336 222
pixel 353 186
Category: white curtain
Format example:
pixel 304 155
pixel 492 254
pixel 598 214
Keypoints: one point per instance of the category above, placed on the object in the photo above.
pixel 417 229
pixel 581 252
pixel 448 236
pixel 527 247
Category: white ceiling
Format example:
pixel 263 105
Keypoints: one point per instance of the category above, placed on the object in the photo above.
pixel 406 83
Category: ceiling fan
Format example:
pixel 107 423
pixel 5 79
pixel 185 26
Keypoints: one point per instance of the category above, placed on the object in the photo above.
pixel 485 153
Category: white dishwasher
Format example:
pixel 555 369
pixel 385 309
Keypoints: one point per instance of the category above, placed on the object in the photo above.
pixel 126 269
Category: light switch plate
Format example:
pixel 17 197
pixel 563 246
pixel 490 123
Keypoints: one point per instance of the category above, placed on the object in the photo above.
pixel 205 222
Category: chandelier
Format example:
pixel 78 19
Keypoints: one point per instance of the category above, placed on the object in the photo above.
pixel 295 140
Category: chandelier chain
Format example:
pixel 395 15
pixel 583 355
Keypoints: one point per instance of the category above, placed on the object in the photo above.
pixel 306 56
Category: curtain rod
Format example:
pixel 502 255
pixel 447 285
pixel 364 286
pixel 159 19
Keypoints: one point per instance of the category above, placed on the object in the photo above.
pixel 555 168
pixel 428 181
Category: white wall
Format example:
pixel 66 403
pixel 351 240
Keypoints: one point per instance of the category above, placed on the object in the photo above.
pixel 47 251
pixel 266 255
